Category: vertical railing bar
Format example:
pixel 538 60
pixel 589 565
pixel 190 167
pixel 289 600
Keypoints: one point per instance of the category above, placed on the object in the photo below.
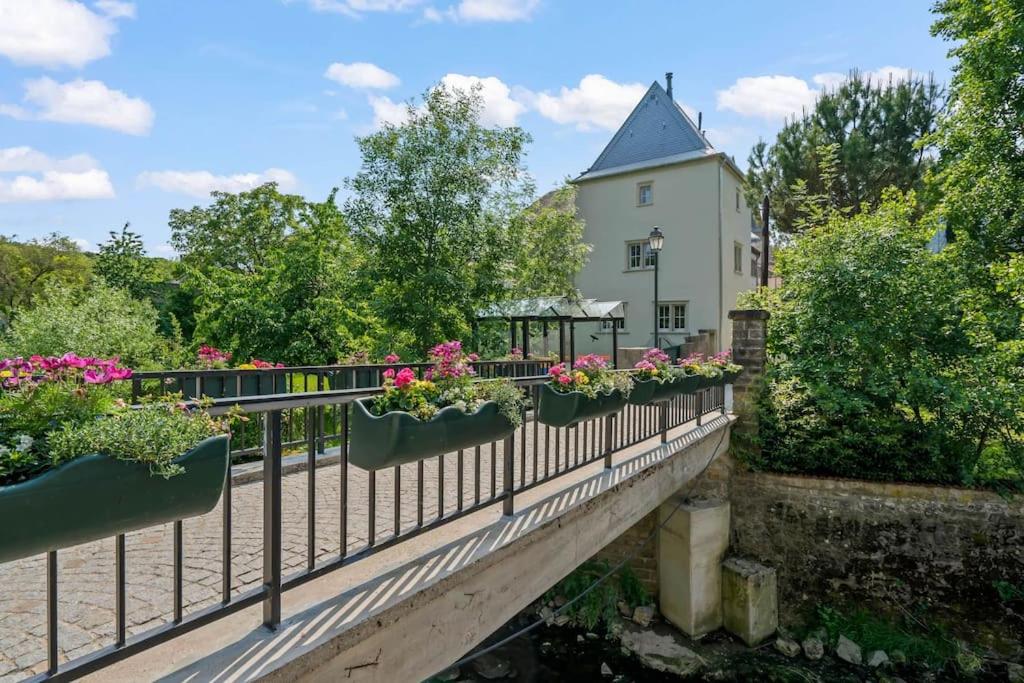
pixel 440 486
pixel 321 384
pixel 371 520
pixel 419 493
pixel 558 446
pixel 459 479
pixel 476 475
pixel 51 612
pixel 494 469
pixel 119 583
pixel 536 429
pixel 508 505
pixel 522 452
pixel 272 519
pixel 179 579
pixel 311 439
pixel 585 435
pixel 398 499
pixel 547 451
pixel 343 480
pixel 225 542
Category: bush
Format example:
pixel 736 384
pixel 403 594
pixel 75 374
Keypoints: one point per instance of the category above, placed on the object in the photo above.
pixel 96 321
pixel 874 371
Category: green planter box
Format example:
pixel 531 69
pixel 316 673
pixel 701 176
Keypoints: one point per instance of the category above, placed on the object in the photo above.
pixel 96 496
pixel 708 382
pixel 563 410
pixel 254 383
pixel 687 385
pixel 396 438
pixel 651 391
pixel 731 375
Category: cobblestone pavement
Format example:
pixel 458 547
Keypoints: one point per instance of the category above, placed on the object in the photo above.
pixel 86 572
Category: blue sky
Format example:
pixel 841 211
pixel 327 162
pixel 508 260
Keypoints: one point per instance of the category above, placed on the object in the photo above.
pixel 114 111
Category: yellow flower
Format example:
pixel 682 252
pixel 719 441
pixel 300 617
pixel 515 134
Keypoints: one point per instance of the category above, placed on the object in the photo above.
pixel 246 366
pixel 654 371
pixel 581 378
pixel 6 373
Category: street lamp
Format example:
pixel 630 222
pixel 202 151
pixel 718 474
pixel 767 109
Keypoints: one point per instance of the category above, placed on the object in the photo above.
pixel 655 241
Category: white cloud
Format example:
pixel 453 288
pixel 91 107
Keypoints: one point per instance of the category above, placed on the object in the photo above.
pixel 361 75
pixel 164 249
pixel 81 101
pixel 386 111
pixel 768 97
pixel 356 8
pixel 777 97
pixel 83 244
pixel 499 109
pixel 495 10
pixel 202 183
pixel 116 9
pixel 27 160
pixel 597 103
pixel 53 185
pixel 55 33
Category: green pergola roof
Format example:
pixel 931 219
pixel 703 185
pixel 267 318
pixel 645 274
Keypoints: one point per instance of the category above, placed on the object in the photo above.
pixel 554 308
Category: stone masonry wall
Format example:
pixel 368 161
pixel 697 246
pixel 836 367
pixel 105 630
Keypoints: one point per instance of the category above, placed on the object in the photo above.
pixel 829 537
pixel 645 564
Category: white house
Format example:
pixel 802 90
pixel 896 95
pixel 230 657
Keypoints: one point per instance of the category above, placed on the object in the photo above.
pixel 660 170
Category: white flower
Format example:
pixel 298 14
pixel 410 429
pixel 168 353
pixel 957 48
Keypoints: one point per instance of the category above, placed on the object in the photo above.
pixel 24 443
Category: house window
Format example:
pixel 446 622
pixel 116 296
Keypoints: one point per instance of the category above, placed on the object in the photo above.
pixel 672 316
pixel 737 257
pixel 737 200
pixel 645 194
pixel 639 256
pixel 620 324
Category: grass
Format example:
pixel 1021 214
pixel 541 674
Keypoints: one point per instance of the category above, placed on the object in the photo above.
pixel 922 642
pixel 601 604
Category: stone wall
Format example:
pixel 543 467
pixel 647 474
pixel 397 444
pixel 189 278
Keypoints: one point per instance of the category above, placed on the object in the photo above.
pixel 832 538
pixel 645 564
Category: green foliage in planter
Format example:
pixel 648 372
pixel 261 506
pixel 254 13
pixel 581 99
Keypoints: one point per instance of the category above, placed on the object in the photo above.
pixel 155 433
pixel 602 603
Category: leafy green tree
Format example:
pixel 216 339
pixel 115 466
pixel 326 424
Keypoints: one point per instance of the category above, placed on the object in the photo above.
pixel 292 299
pixel 430 212
pixel 122 263
pixel 237 231
pixel 97 320
pixel 549 251
pixel 878 131
pixel 26 268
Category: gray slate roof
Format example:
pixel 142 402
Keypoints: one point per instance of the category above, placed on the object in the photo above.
pixel 657 128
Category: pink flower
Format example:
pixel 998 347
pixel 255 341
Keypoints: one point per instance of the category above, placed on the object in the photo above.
pixel 392 358
pixel 556 370
pixel 389 373
pixel 72 360
pixel 96 377
pixel 564 379
pixel 473 357
pixel 405 377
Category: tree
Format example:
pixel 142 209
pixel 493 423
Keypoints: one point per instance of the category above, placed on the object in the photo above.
pixel 98 320
pixel 430 211
pixel 880 133
pixel 27 267
pixel 292 299
pixel 237 231
pixel 122 263
pixel 548 246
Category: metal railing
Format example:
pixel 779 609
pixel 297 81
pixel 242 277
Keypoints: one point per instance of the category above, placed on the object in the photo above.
pixel 497 472
pixel 248 438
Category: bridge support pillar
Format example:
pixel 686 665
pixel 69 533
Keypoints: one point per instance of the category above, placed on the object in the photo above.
pixel 691 545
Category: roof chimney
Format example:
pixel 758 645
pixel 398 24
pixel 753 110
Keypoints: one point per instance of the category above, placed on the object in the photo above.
pixel 668 83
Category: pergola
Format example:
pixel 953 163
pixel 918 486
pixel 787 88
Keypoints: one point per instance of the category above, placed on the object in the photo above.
pixel 555 310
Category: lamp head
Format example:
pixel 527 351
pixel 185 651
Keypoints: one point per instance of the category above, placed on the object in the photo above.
pixel 656 240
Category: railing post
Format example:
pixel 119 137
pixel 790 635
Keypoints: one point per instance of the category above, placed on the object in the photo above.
pixel 272 519
pixel 663 420
pixel 508 478
pixel 609 431
pixel 700 406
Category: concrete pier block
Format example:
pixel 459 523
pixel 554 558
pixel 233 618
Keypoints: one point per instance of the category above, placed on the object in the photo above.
pixel 691 545
pixel 750 604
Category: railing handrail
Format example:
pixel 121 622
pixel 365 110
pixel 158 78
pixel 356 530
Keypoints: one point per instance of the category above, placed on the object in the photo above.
pixel 315 399
pixel 214 372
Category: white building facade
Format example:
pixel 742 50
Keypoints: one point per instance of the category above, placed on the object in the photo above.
pixel 660 170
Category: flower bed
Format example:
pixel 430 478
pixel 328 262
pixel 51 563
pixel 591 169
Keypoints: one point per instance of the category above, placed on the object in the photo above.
pixel 447 410
pixel 714 371
pixel 655 379
pixel 77 463
pixel 586 392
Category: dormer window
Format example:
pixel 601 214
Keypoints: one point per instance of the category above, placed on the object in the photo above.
pixel 644 194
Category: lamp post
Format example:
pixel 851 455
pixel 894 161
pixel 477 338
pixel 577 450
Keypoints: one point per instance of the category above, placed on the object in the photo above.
pixel 655 241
